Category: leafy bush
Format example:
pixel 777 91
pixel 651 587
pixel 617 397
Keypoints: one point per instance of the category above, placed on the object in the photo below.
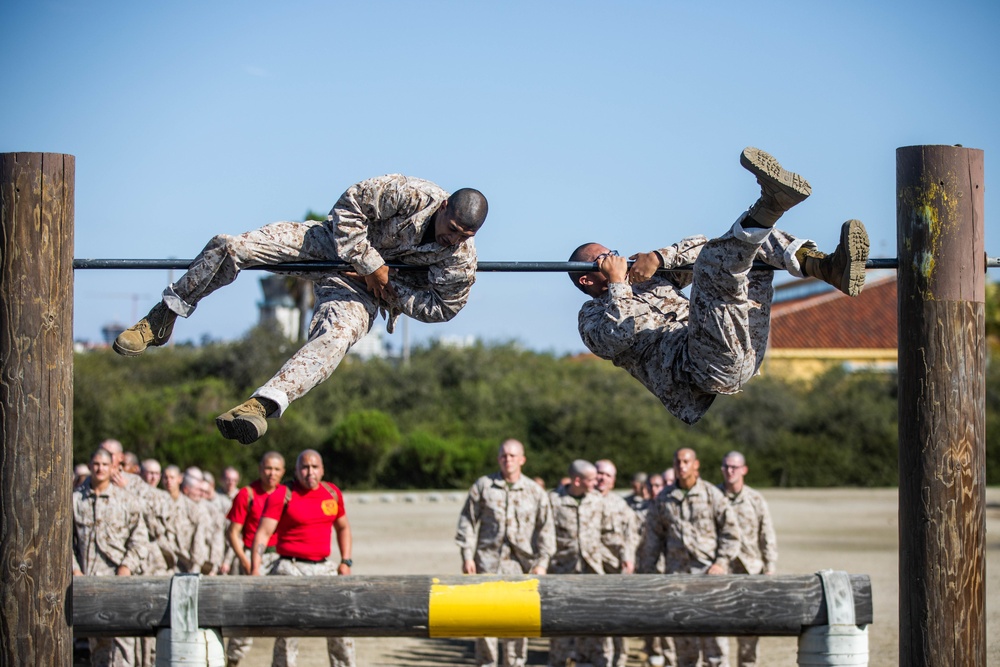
pixel 436 422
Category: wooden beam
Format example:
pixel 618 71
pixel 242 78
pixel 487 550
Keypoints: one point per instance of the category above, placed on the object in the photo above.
pixel 942 406
pixel 36 407
pixel 468 606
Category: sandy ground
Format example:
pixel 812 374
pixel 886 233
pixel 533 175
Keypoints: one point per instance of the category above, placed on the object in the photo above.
pixel 855 530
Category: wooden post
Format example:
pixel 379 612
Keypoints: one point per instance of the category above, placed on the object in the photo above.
pixel 36 407
pixel 942 398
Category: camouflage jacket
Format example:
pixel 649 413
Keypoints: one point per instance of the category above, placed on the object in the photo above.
pixel 158 513
pixel 693 530
pixel 643 329
pixel 382 220
pixel 759 546
pixel 107 529
pixel 580 526
pixel 620 537
pixel 495 514
pixel 191 527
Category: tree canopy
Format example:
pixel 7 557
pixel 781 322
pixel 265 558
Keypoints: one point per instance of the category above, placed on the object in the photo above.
pixel 436 421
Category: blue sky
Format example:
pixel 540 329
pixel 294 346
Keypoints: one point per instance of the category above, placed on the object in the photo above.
pixel 580 121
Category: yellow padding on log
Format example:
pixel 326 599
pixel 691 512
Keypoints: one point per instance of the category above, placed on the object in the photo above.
pixel 490 609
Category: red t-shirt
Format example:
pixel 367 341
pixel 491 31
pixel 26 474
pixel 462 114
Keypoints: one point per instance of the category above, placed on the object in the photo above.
pixel 247 513
pixel 305 524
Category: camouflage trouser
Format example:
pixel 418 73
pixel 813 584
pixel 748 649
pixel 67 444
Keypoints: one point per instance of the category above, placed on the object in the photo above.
pixel 731 305
pixel 286 649
pixel 343 314
pixel 515 650
pixel 238 647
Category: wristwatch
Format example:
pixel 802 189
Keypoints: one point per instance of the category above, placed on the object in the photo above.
pixel 347 561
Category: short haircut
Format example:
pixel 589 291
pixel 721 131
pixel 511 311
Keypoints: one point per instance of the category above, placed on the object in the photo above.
pixel 469 208
pixel 101 453
pixel 579 468
pixel 510 441
pixel 580 255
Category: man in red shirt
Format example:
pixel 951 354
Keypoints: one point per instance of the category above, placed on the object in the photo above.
pixel 244 517
pixel 303 517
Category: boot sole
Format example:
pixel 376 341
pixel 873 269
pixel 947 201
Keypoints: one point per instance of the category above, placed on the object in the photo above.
pixel 764 165
pixel 126 352
pixel 246 429
pixel 854 239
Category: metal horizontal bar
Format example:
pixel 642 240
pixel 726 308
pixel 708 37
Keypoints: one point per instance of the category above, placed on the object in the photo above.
pixel 483 267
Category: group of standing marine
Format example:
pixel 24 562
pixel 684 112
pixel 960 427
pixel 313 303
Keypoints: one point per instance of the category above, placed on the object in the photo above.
pixel 685 349
pixel 124 524
pixel 511 525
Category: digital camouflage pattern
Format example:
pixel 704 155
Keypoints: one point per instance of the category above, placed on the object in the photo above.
pixel 620 538
pixel 758 552
pixel 505 529
pixel 581 523
pixel 109 532
pixel 506 522
pixel 693 530
pixel 686 351
pixel 374 222
pixel 758 542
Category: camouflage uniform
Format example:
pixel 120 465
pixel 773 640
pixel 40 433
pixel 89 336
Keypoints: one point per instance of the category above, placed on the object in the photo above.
pixel 376 221
pixel 191 526
pixel 758 552
pixel 580 525
pixel 215 535
pixel 688 351
pixel 146 496
pixel 286 649
pixel 619 546
pixel 108 532
pixel 505 529
pixel 693 530
pixel 158 514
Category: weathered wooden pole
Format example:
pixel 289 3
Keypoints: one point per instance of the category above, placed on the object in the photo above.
pixel 555 605
pixel 942 398
pixel 36 407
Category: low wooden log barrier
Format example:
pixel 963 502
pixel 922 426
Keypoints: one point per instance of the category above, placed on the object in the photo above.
pixel 469 606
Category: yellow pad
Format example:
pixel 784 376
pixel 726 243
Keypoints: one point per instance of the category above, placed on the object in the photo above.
pixel 490 609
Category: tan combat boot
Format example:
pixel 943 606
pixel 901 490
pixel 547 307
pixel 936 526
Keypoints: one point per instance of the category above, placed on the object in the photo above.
pixel 154 329
pixel 779 189
pixel 247 422
pixel 845 268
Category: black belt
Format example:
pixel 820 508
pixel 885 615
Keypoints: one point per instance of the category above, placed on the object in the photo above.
pixel 303 560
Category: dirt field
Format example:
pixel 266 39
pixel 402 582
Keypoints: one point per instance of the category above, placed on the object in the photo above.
pixel 843 529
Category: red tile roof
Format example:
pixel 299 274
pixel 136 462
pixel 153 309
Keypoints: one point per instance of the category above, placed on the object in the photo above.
pixel 832 320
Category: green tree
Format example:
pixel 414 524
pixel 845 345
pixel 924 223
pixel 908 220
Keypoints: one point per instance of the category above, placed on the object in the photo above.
pixel 359 445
